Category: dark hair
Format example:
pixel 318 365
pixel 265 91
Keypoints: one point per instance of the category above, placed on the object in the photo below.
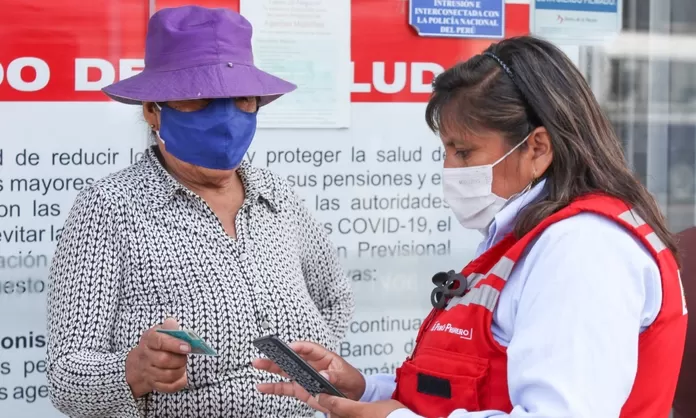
pixel 523 83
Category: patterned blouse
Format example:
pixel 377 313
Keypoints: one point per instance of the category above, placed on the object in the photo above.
pixel 137 247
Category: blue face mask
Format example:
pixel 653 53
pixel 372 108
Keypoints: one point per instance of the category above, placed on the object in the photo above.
pixel 216 136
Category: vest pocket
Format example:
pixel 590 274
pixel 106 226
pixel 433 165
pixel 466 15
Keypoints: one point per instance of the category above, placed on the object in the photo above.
pixel 436 382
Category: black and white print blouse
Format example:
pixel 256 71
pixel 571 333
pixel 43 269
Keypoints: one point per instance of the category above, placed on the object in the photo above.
pixel 138 247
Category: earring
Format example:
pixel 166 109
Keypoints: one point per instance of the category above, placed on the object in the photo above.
pixel 531 183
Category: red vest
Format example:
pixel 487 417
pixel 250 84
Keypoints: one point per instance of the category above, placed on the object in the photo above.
pixel 457 364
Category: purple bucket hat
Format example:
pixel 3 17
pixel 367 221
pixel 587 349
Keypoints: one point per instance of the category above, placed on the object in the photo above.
pixel 193 52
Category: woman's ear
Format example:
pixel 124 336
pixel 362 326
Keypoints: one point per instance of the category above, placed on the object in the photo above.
pixel 151 114
pixel 541 151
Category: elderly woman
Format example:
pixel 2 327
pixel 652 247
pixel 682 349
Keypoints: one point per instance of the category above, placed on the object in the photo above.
pixel 189 237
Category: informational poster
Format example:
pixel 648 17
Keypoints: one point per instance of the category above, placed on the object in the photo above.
pixel 576 22
pixel 458 19
pixel 307 43
pixel 59 134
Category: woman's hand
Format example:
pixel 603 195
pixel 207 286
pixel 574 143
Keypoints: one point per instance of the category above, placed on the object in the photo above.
pixel 158 362
pixel 342 375
pixel 344 408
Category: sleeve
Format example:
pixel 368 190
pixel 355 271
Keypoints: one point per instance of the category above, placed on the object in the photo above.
pixel 86 378
pixel 328 284
pixel 378 387
pixel 574 351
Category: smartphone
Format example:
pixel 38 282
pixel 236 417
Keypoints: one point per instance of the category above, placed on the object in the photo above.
pixel 295 366
pixel 197 344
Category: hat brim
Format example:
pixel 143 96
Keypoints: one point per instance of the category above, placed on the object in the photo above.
pixel 201 82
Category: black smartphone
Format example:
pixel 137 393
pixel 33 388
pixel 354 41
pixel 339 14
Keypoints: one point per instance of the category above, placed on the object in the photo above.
pixel 295 366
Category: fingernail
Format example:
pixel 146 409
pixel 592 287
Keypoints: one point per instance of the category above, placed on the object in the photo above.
pixel 184 348
pixel 326 375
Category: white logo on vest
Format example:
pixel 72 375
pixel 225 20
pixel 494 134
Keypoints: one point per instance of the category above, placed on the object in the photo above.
pixel 465 334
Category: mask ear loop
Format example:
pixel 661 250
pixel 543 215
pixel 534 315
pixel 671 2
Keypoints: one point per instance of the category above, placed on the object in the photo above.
pixel 531 184
pixel 519 144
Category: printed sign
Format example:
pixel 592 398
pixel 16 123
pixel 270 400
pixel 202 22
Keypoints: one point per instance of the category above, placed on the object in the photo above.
pixel 309 45
pixel 375 188
pixel 458 18
pixel 579 22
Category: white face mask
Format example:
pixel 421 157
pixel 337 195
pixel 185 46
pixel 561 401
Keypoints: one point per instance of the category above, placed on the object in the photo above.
pixel 469 193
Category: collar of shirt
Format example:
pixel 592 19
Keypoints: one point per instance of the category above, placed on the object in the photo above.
pixel 504 221
pixel 258 186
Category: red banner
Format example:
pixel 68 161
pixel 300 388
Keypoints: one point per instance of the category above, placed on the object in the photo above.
pixel 67 50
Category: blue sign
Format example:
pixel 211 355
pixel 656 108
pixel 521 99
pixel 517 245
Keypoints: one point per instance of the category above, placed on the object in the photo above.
pixel 601 6
pixel 458 18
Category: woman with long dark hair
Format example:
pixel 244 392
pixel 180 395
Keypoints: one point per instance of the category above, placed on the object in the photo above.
pixel 573 305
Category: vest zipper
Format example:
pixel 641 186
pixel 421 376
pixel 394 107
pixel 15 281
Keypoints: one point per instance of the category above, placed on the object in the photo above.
pixel 428 320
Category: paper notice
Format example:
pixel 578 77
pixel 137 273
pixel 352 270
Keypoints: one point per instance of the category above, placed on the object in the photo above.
pixel 580 23
pixel 306 42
